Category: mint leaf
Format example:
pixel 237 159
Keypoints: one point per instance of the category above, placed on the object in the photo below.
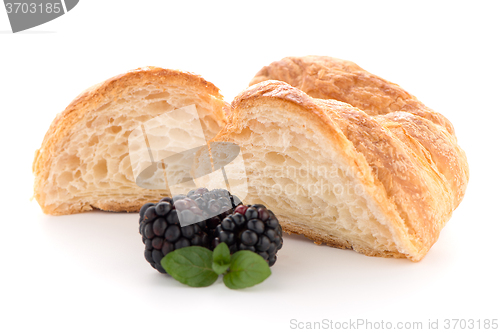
pixel 222 258
pixel 190 265
pixel 246 269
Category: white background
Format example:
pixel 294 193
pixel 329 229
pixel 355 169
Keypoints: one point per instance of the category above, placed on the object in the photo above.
pixel 86 272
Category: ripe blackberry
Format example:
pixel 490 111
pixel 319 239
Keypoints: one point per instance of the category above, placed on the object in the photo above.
pixel 200 211
pixel 252 228
pixel 162 233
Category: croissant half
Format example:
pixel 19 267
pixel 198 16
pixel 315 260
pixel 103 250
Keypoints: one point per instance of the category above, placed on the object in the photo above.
pixel 84 160
pixel 381 178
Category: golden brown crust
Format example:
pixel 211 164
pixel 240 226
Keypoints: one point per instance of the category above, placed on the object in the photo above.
pixel 331 78
pixel 90 100
pixel 433 144
pixel 407 157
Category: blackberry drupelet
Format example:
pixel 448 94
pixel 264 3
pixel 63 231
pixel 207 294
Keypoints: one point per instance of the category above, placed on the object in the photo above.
pixel 253 228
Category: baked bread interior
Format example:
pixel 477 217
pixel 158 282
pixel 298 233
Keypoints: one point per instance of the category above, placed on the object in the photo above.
pixel 84 161
pixel 380 175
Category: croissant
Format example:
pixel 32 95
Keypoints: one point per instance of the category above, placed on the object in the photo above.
pixel 340 155
pixel 347 158
pixel 84 163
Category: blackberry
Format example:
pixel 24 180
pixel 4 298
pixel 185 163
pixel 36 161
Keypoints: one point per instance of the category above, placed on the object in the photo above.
pixel 162 233
pixel 253 228
pixel 201 211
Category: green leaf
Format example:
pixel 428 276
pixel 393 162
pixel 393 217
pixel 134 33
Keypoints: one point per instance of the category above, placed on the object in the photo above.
pixel 222 258
pixel 246 269
pixel 190 265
